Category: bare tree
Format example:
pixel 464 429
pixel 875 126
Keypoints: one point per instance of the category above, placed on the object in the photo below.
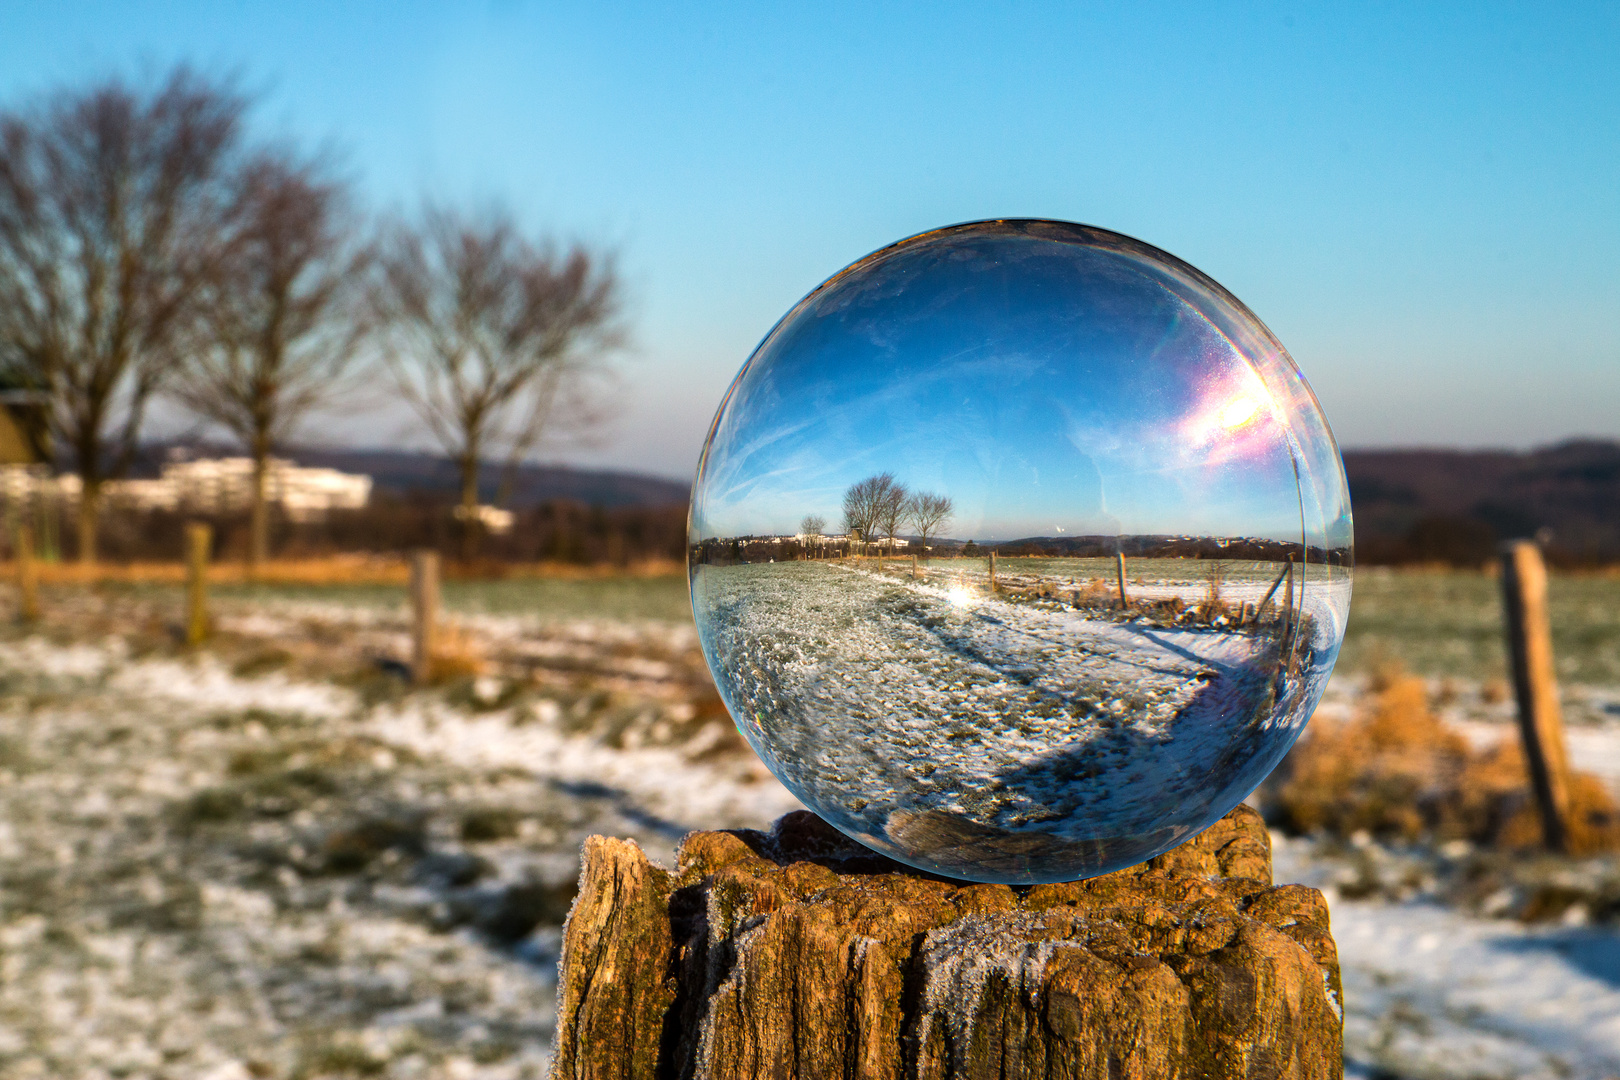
pixel 928 514
pixel 280 323
pixel 491 337
pixel 811 529
pixel 863 501
pixel 891 511
pixel 869 502
pixel 111 206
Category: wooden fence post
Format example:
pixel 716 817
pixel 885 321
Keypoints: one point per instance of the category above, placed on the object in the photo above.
pixel 199 539
pixel 1288 599
pixel 424 612
pixel 1285 573
pixel 862 967
pixel 1529 638
pixel 1119 564
pixel 27 573
pixel 992 570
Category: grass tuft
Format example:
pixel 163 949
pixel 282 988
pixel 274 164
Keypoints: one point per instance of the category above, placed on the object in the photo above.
pixel 1397 772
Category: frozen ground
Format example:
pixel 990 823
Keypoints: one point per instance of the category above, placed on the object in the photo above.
pixel 271 860
pixel 1054 732
pixel 1435 994
pixel 274 860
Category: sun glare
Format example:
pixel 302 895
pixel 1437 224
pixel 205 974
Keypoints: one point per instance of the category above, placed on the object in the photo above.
pixel 1238 411
pixel 960 596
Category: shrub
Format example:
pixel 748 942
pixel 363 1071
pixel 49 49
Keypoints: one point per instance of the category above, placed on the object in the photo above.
pixel 1398 772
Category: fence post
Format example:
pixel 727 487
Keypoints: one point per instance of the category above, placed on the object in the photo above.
pixel 424 612
pixel 1529 638
pixel 920 960
pixel 1119 565
pixel 1288 620
pixel 199 538
pixel 992 570
pixel 27 572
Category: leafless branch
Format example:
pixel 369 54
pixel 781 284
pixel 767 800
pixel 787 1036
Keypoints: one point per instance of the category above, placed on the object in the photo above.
pixel 282 317
pixel 928 513
pixel 111 204
pixel 492 338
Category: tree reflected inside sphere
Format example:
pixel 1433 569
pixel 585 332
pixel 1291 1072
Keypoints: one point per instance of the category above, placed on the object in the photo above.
pixel 1020 551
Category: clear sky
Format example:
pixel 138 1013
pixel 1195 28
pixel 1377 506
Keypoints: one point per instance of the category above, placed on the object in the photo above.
pixel 1424 205
pixel 1050 381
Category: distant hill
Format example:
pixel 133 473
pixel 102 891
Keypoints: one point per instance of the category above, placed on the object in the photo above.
pixel 399 472
pixel 408 472
pixel 1154 547
pixel 1423 505
pixel 1456 505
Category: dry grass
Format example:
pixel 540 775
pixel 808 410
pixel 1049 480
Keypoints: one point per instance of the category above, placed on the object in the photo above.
pixel 456 655
pixel 1398 772
pixel 356 569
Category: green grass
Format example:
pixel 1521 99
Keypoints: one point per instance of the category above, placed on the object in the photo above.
pixel 1440 623
pixel 661 598
pixel 1433 622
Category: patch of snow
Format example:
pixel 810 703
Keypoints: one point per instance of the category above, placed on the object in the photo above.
pixel 661 782
pixel 36 656
pixel 1433 994
pixel 206 683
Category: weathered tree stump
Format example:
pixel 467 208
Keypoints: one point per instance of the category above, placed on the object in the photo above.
pixel 800 954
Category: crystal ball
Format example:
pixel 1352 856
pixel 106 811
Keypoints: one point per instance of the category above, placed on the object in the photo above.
pixel 1020 551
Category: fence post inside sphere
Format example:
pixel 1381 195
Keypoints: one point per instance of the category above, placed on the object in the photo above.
pixel 1529 638
pixel 1290 617
pixel 199 539
pixel 1119 565
pixel 27 572
pixel 424 612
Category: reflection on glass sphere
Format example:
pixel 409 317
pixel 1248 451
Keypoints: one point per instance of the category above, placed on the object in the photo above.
pixel 1020 551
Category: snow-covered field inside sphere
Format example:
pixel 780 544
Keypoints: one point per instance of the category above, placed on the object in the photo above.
pixel 976 733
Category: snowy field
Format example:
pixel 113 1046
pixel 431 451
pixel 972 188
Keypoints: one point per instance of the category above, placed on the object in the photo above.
pixel 1432 993
pixel 273 859
pixel 975 733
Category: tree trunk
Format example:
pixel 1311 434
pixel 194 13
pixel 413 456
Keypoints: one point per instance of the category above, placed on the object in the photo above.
pixel 469 505
pixel 89 520
pixel 800 954
pixel 259 520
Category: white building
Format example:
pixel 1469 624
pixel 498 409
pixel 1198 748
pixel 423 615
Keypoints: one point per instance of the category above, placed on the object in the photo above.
pixel 492 518
pixel 207 486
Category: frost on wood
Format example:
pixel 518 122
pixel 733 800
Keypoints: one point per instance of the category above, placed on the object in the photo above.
pixel 800 954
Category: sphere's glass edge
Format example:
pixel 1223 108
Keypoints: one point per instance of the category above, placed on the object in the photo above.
pixel 1111 240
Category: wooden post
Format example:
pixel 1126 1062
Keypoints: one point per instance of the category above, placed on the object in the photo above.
pixel 27 573
pixel 424 612
pixel 1275 585
pixel 914 568
pixel 1529 638
pixel 1119 564
pixel 1288 597
pixel 992 569
pixel 199 539
pixel 814 957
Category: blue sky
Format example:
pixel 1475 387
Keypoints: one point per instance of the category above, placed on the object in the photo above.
pixel 1424 205
pixel 1048 383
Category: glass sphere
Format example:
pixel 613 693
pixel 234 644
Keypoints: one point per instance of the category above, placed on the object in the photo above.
pixel 1020 551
